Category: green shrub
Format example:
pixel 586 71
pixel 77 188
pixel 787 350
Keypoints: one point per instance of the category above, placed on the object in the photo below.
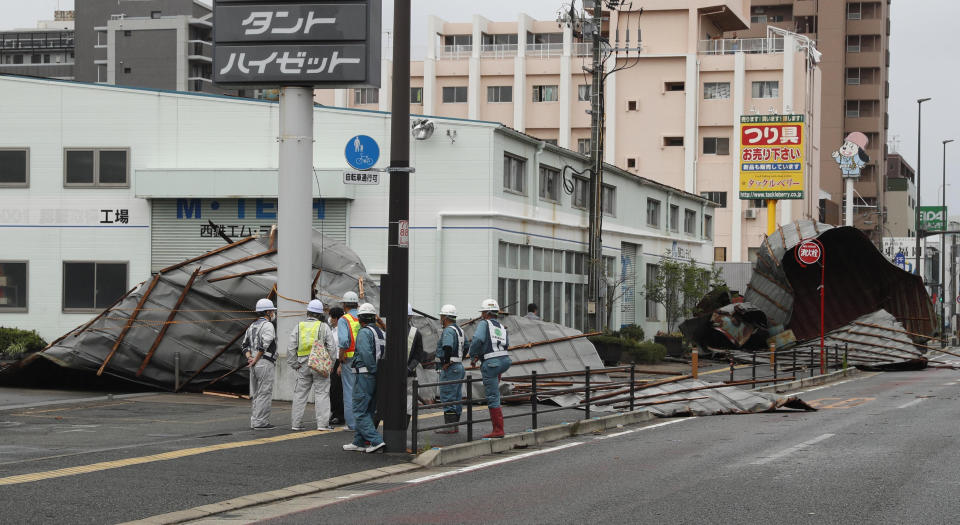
pixel 632 332
pixel 15 342
pixel 647 352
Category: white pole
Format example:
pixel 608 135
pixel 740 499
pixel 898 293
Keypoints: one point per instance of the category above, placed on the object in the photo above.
pixel 294 235
pixel 848 220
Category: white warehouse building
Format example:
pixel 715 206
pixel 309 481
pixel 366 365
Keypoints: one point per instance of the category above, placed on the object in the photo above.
pixel 102 185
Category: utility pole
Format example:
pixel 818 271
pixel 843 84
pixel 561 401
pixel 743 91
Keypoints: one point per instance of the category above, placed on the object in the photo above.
pixel 595 305
pixel 916 226
pixel 392 395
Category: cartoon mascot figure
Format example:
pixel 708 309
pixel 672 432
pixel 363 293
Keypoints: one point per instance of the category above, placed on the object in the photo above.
pixel 851 156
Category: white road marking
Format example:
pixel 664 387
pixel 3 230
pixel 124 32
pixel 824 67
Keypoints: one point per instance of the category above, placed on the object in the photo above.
pixel 910 404
pixel 824 386
pixel 786 452
pixel 534 453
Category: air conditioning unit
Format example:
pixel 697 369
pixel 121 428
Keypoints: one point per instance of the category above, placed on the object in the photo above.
pixel 750 213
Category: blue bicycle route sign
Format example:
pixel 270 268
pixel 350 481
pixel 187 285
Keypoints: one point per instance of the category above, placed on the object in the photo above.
pixel 362 152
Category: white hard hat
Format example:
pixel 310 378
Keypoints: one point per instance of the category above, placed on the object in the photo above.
pixel 489 305
pixel 448 310
pixel 315 306
pixel 264 305
pixel 350 298
pixel 367 309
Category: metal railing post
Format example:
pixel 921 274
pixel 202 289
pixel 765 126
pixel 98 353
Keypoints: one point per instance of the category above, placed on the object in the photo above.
pixel 469 408
pixel 533 399
pixel 836 356
pixel 586 391
pixel 414 417
pixel 811 361
pixel 793 365
pixel 730 355
pixel 846 355
pixel 633 383
pixel 753 370
pixel 176 371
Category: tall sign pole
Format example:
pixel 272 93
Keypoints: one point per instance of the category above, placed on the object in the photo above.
pixel 916 225
pixel 594 271
pixel 298 45
pixel 395 288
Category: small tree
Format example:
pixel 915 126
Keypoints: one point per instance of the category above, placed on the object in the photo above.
pixel 679 285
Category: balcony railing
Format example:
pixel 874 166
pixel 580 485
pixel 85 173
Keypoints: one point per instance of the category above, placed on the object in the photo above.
pixel 498 50
pixel 462 51
pixel 544 50
pixel 36 40
pixel 582 49
pixel 729 46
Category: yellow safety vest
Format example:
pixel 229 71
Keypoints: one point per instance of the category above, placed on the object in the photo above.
pixel 354 329
pixel 308 334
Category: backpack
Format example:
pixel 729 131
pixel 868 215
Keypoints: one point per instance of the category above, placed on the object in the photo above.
pixel 319 360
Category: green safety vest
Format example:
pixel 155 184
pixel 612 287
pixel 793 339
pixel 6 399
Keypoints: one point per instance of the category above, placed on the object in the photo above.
pixel 308 334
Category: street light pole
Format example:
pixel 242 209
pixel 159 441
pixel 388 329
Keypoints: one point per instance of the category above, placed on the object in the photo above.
pixel 916 225
pixel 943 251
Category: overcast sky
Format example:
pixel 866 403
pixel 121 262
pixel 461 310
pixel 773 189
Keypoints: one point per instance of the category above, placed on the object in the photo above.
pixel 923 63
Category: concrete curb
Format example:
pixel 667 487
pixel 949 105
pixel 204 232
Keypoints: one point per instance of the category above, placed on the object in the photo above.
pixel 444 456
pixel 273 496
pixel 809 381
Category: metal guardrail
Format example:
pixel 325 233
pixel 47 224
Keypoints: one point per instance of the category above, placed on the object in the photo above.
pixel 835 356
pixel 729 46
pixel 535 409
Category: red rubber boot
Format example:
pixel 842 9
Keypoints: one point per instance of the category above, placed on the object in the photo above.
pixel 496 417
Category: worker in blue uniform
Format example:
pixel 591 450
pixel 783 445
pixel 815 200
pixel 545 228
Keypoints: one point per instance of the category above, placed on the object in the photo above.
pixel 489 345
pixel 451 348
pixel 370 344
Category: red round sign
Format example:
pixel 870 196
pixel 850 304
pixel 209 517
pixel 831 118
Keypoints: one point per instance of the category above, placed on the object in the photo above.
pixel 808 253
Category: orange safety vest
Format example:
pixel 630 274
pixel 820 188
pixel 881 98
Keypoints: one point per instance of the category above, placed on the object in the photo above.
pixel 354 329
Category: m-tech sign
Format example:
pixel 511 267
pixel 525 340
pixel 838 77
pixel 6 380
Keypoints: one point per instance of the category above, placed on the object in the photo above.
pixel 808 253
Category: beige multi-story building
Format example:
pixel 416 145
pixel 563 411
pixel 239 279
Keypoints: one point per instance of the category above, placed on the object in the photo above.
pixel 672 112
pixel 900 198
pixel 854 38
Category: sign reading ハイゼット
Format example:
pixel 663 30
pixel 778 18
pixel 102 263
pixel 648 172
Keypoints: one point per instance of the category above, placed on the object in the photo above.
pixel 316 43
pixel 771 157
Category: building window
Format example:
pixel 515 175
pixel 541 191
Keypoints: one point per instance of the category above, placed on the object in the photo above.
pixel 500 94
pixel 551 141
pixel 514 169
pixel 583 146
pixel 672 141
pixel 128 33
pixel 689 222
pixel 651 283
pixel 653 213
pixel 154 14
pixel 608 200
pixel 366 96
pixel 758 19
pixel 581 193
pixel 673 221
pixel 631 105
pixel 14 167
pixel 416 95
pixel 17 59
pixel 757 203
pixel 853 76
pixel 719 197
pixel 854 11
pixel 96 167
pixel 853 108
pixel 458 40
pixel 454 94
pixel 583 92
pixel 549 184
pixel 716 90
pixel 766 89
pixel 35 58
pixel 13 286
pixel 545 93
pixel 708 229
pixel 509 39
pixel 631 162
pixel 853 43
pixel 674 86
pixel 719 254
pixel 716 146
pixel 93 285
pixel 127 70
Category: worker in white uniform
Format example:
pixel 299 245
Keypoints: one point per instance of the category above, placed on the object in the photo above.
pixel 299 346
pixel 259 346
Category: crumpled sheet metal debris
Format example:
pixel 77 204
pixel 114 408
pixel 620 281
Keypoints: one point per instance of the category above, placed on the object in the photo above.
pixel 706 402
pixel 731 326
pixel 217 308
pixel 210 320
pixel 859 281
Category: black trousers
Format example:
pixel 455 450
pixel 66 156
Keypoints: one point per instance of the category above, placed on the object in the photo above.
pixel 336 393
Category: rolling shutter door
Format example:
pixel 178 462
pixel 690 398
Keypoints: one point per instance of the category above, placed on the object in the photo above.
pixel 628 284
pixel 179 228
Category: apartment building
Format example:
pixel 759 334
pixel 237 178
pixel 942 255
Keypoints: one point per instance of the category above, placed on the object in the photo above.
pixel 44 51
pixel 672 113
pixel 900 199
pixel 854 37
pixel 162 44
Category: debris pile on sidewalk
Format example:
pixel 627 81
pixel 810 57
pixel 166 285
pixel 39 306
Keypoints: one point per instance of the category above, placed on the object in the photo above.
pixel 881 315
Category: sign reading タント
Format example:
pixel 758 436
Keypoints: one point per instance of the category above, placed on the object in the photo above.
pixel 771 157
pixel 318 43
